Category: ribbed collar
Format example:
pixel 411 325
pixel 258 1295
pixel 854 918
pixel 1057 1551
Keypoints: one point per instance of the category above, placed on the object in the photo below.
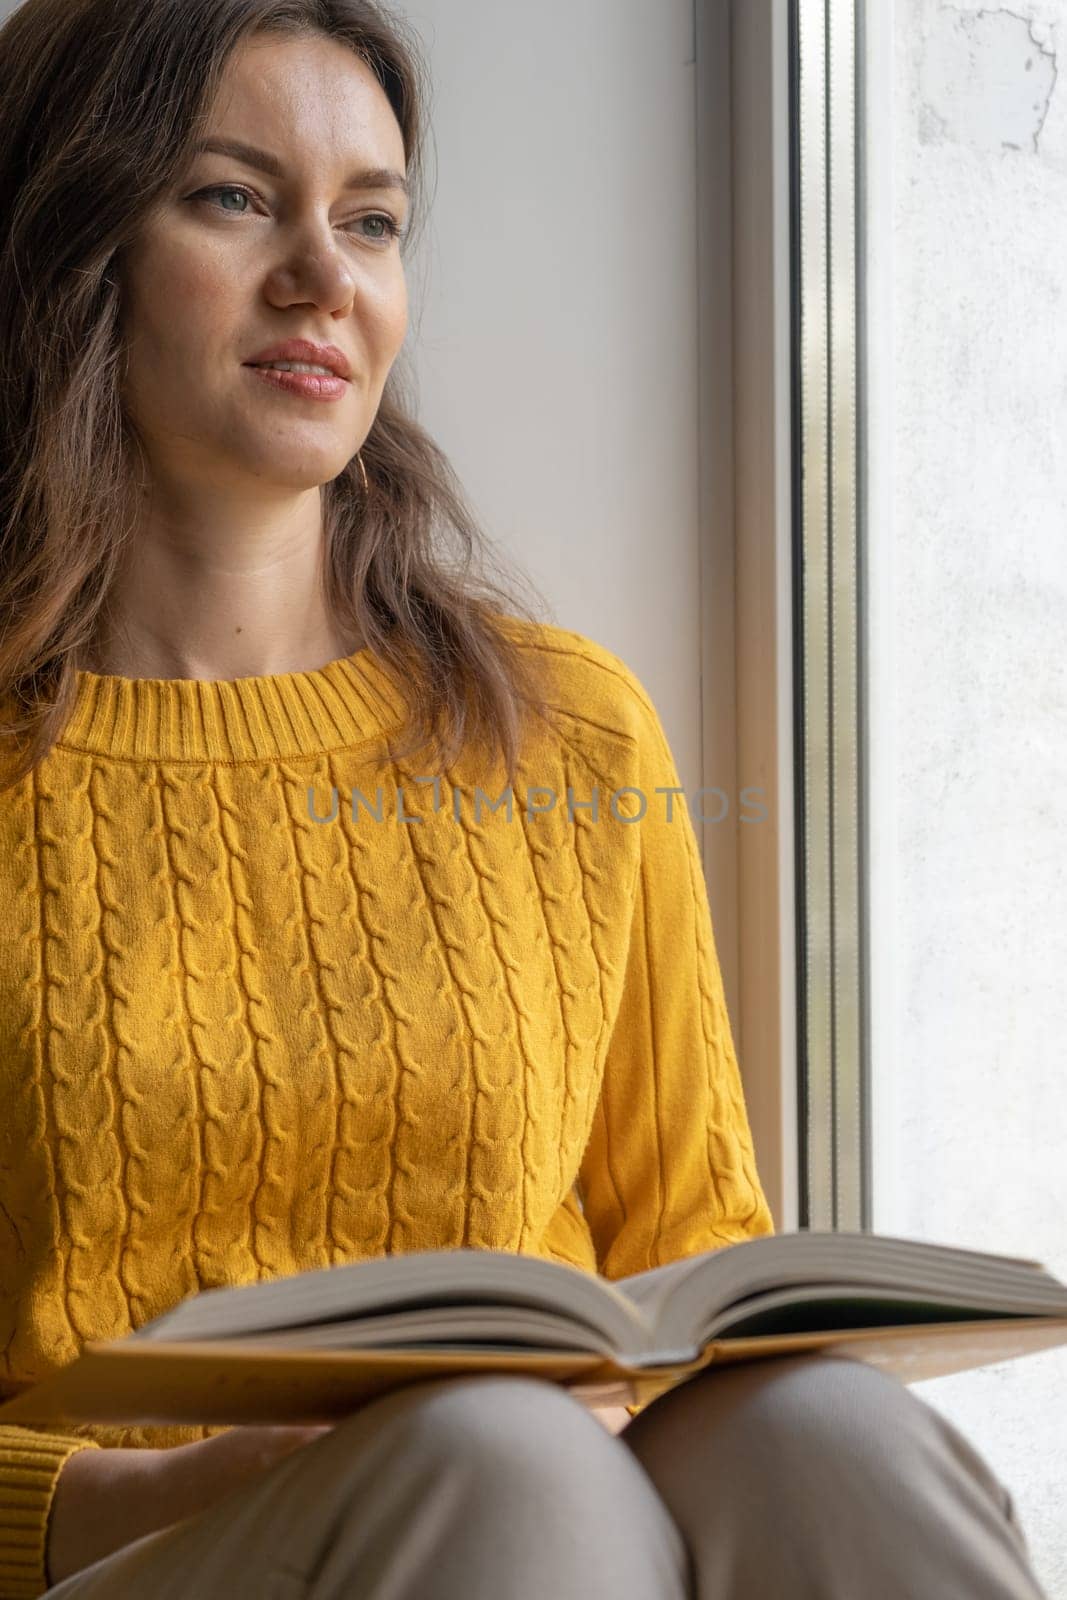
pixel 240 719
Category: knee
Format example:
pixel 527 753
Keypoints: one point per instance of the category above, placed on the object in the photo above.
pixel 507 1423
pixel 504 1475
pixel 515 1432
pixel 793 1414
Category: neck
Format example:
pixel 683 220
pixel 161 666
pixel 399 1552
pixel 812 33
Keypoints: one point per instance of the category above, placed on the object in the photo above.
pixel 192 603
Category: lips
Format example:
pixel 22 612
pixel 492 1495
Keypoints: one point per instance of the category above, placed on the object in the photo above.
pixel 318 355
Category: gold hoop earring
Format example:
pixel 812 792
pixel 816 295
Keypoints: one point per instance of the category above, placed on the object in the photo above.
pixel 363 471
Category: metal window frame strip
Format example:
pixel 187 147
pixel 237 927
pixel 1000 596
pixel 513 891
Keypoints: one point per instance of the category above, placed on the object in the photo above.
pixel 834 1057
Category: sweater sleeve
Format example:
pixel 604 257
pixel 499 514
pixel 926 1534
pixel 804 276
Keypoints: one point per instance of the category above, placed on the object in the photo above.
pixel 669 1169
pixel 30 1464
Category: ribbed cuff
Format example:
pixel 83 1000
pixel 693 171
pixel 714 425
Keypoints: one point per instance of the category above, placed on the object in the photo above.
pixel 30 1464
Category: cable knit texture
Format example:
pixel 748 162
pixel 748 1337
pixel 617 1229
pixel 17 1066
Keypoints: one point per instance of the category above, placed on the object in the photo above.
pixel 246 1034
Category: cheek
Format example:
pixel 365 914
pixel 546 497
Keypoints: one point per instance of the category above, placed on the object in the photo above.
pixel 400 325
pixel 178 304
pixel 386 318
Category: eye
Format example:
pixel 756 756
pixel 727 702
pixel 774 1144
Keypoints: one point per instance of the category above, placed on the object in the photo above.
pixel 393 229
pixel 223 188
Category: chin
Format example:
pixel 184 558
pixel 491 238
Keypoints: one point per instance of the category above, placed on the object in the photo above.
pixel 303 473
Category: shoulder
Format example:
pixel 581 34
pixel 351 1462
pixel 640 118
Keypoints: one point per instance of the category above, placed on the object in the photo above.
pixel 588 682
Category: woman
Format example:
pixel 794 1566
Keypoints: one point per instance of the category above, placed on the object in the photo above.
pixel 247 1033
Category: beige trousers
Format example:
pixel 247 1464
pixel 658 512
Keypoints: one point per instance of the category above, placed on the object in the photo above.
pixel 811 1477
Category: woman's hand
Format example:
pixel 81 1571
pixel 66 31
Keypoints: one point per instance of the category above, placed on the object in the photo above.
pixel 195 1476
pixel 105 1499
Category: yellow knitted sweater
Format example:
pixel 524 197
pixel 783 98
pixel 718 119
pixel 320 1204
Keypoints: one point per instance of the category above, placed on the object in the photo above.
pixel 243 1034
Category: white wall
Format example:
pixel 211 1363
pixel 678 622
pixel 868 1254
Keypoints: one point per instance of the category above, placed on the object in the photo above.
pixel 556 351
pixel 967 160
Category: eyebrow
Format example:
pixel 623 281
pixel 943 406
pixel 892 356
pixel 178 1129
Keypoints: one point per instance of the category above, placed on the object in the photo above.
pixel 367 178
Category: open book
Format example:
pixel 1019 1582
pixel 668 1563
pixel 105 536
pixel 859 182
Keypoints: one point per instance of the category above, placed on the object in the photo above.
pixel 311 1346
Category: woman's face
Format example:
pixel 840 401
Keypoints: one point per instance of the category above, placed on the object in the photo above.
pixel 217 277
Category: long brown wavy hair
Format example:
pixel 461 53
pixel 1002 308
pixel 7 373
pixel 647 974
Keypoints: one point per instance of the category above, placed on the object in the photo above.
pixel 102 102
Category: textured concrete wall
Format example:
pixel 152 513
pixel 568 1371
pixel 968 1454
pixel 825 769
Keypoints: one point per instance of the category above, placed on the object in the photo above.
pixel 967 219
